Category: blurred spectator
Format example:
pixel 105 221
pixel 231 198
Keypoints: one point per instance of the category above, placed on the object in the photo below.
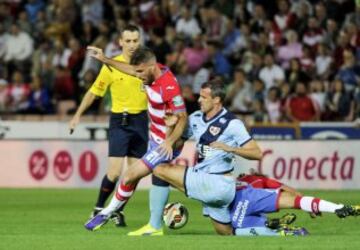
pixel 239 93
pixel 3 95
pixel 215 23
pixel 33 7
pixel 176 58
pixel 307 62
pixel 190 99
pixel 320 14
pixel 258 89
pixel 62 55
pixel 159 45
pixel 259 112
pixel 23 22
pixel 196 55
pixel 202 75
pixel 323 62
pixel 313 41
pixel 257 22
pixel 3 38
pixel 318 94
pixel 295 74
pixel 19 45
pixel 271 74
pixel 187 25
pixel 92 11
pixel 221 64
pixel 313 34
pixel 284 18
pixel 39 101
pixel 252 64
pixel 262 46
pixel 64 88
pixel 89 33
pixel 349 72
pixel 292 49
pixel 183 76
pixel 339 104
pixel 233 40
pixel 18 92
pixel 273 105
pixel 300 107
pixel 43 63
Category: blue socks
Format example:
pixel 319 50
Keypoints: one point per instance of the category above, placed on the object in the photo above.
pixel 158 198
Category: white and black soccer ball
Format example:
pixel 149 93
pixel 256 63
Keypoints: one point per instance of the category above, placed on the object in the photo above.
pixel 175 215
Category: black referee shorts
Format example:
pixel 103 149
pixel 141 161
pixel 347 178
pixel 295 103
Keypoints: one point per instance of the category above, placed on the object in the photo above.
pixel 130 140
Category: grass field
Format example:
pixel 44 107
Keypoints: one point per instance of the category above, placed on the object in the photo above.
pixel 53 219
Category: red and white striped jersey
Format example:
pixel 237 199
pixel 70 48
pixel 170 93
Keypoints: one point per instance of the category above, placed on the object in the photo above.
pixel 164 96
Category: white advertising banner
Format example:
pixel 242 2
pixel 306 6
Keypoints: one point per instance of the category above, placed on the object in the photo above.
pixel 56 163
pixel 309 164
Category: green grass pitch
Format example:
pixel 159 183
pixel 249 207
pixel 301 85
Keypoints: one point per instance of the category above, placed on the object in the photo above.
pixel 53 219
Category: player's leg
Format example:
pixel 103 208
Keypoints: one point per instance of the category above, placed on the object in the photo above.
pixel 173 174
pixel 109 182
pixel 119 139
pixel 118 216
pixel 222 229
pixel 316 205
pixel 123 193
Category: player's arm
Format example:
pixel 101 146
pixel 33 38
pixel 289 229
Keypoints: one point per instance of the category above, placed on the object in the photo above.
pixel 98 54
pixel 246 146
pixel 84 105
pixel 174 134
pixel 250 150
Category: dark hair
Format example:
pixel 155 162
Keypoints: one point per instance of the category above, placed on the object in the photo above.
pixel 217 88
pixel 131 28
pixel 142 55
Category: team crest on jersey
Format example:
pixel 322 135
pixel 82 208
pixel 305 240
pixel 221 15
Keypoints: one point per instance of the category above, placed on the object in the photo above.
pixel 214 130
pixel 178 101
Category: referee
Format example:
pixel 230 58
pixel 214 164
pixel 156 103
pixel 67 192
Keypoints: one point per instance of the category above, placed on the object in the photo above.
pixel 128 126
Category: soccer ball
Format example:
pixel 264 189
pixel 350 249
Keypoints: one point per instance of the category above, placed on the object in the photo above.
pixel 175 215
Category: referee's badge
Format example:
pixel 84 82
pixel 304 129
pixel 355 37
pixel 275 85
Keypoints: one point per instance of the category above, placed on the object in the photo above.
pixel 214 130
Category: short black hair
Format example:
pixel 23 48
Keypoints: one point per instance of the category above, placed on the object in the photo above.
pixel 131 28
pixel 217 88
pixel 142 55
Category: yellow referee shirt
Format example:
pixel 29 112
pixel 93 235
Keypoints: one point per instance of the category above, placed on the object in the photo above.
pixel 127 92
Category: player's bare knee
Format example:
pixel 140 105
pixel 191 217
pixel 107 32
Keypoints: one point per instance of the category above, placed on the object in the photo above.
pixel 112 175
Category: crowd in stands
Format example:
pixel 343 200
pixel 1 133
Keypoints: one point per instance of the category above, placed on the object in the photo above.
pixel 280 60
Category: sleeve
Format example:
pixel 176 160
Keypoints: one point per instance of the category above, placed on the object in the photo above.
pixel 102 82
pixel 239 132
pixel 271 183
pixel 173 98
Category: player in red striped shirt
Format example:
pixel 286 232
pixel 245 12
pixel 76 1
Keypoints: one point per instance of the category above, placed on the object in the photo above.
pixel 164 97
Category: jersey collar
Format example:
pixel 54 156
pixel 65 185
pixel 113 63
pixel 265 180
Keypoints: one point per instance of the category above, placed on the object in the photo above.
pixel 223 110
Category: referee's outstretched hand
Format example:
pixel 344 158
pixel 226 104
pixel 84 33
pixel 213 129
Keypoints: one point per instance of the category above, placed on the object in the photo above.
pixel 73 123
pixel 96 53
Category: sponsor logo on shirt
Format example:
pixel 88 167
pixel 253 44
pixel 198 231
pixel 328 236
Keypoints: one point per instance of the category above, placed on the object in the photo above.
pixel 178 101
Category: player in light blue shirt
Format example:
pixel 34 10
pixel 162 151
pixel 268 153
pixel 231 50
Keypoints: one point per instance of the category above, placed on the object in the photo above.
pixel 219 136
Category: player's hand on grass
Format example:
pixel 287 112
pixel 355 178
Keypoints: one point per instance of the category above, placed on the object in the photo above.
pixel 96 53
pixel 166 149
pixel 73 123
pixel 220 145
